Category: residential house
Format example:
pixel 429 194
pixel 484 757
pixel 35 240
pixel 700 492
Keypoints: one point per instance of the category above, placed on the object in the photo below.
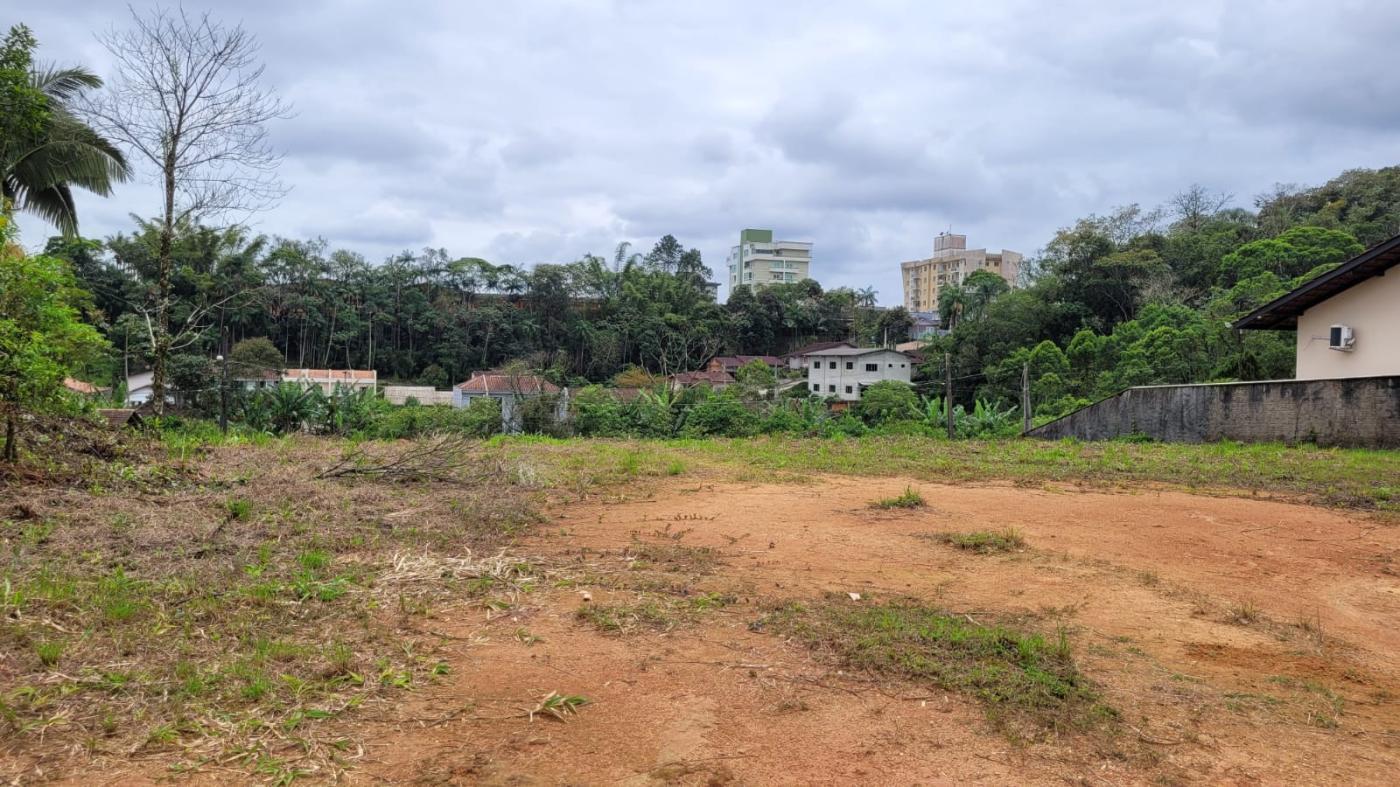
pixel 715 378
pixel 328 379
pixel 845 372
pixel 951 263
pixel 759 261
pixel 1347 320
pixel 82 387
pixel 731 363
pixel 927 324
pixel 796 359
pixel 510 389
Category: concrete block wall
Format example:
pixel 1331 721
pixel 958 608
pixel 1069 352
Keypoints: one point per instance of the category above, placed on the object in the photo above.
pixel 1362 412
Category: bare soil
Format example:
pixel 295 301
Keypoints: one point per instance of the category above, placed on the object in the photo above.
pixel 1241 641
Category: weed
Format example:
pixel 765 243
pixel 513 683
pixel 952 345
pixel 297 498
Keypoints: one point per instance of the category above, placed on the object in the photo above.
pixel 49 652
pixel 675 467
pixel 909 498
pixel 526 637
pixel 983 541
pixel 237 508
pixel 558 706
pixel 1245 613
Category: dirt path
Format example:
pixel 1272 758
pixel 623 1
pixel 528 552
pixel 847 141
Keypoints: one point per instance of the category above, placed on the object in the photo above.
pixel 1242 642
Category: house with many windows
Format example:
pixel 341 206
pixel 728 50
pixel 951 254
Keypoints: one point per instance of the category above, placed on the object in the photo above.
pixel 845 372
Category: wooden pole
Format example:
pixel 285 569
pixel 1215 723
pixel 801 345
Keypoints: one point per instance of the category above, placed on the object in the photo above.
pixel 948 392
pixel 1025 398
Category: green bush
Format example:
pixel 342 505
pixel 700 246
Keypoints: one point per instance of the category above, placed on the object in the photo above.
pixel 720 415
pixel 482 418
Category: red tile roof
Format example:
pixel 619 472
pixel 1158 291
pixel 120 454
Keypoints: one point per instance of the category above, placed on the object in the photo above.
pixel 497 383
pixel 705 376
pixel 78 386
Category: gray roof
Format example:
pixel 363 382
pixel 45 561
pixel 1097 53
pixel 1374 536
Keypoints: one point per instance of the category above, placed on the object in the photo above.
pixel 853 351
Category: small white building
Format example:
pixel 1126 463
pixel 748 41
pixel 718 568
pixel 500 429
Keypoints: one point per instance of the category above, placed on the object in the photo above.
pixel 509 390
pixel 138 388
pixel 845 372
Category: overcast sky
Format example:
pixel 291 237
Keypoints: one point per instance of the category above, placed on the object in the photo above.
pixel 528 132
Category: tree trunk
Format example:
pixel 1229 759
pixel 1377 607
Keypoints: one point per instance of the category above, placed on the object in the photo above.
pixel 11 438
pixel 160 347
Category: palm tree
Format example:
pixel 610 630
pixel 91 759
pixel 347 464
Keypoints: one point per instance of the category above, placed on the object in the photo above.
pixel 37 173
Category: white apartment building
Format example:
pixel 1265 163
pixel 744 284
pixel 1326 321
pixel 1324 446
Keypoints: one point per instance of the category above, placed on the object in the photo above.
pixel 844 372
pixel 951 263
pixel 759 261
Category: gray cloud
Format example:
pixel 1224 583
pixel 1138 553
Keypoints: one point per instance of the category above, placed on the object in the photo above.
pixel 538 131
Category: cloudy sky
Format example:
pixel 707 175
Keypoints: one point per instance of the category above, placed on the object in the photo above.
pixel 529 132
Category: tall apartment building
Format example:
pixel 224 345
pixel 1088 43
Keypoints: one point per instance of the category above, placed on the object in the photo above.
pixel 759 260
pixel 951 263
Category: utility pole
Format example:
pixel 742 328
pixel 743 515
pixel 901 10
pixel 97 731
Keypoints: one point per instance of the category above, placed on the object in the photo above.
pixel 223 388
pixel 948 392
pixel 1025 398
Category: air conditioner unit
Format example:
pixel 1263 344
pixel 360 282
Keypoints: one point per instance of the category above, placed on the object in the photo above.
pixel 1341 338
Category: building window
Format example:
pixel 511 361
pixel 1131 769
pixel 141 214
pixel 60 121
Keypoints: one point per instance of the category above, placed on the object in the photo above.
pixel 850 364
pixel 901 366
pixel 872 367
pixel 848 389
pixel 832 388
pixel 833 365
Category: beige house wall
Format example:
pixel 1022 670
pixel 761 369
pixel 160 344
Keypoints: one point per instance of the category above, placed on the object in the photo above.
pixel 1372 310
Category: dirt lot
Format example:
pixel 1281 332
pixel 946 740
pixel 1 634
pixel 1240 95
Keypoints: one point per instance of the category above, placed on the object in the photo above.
pixel 240 617
pixel 1241 641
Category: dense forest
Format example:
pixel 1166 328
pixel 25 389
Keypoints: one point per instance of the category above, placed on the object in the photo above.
pixel 1136 296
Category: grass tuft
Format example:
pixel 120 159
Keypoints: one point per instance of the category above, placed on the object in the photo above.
pixel 983 541
pixel 909 498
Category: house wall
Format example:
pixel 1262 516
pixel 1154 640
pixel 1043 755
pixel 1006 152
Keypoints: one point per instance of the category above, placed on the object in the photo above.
pixel 1372 310
pixel 423 394
pixel 1359 412
pixel 821 378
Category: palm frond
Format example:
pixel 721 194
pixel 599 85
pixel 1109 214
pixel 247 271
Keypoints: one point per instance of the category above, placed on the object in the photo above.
pixel 62 85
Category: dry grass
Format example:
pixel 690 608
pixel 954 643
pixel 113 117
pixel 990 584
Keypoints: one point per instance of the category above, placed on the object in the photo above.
pixel 218 609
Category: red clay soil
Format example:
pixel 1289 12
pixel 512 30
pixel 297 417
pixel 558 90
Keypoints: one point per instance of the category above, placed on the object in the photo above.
pixel 1241 641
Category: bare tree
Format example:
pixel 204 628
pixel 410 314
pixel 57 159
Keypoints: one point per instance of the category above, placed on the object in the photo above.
pixel 1193 206
pixel 187 98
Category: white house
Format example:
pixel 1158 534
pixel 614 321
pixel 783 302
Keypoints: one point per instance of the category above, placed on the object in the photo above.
pixel 1347 320
pixel 138 388
pixel 509 390
pixel 845 372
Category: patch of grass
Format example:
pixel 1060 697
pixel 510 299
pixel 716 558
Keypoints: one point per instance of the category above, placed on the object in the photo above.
pixel 651 614
pixel 1018 676
pixel 49 652
pixel 238 508
pixel 983 541
pixel 909 498
pixel 675 467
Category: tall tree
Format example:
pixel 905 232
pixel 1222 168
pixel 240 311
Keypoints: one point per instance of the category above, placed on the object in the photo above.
pixel 188 100
pixel 45 149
